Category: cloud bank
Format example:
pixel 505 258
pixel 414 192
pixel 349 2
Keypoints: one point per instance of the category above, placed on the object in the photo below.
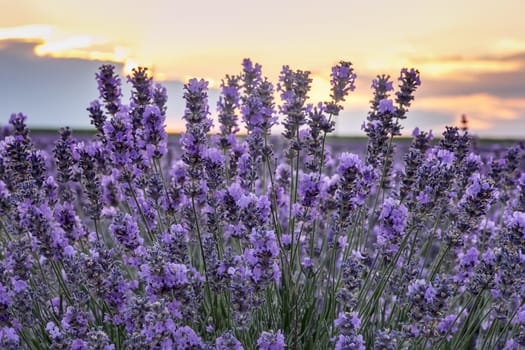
pixel 55 91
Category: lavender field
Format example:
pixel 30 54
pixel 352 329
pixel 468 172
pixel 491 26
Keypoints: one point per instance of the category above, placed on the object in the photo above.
pixel 129 239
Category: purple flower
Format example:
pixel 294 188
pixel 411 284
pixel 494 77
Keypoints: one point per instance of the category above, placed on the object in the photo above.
pixel 194 142
pixel 175 275
pixel 198 89
pixel 415 286
pixel 186 339
pixel 454 142
pixel 423 198
pixel 271 341
pixel 154 137
pixel 382 87
pixel 511 344
pixel 18 121
pixel 520 315
pixel 227 107
pixel 75 322
pixel 262 258
pixel 167 277
pixel 393 221
pixel 109 88
pixel 355 180
pixel 63 152
pixel 409 81
pixel 385 340
pixel 350 342
pixel 448 325
pixel 489 257
pixel 79 344
pixel 5 296
pixel 214 161
pixel 479 194
pixel 126 231
pixel 5 198
pixel 69 221
pixel 286 239
pixel 39 222
pixel 214 156
pixel 426 300
pixel 517 222
pixel 19 285
pixel 257 111
pixel 342 80
pixel 251 75
pixel 414 159
pixel 445 157
pixel 386 106
pixel 307 263
pixel 119 136
pixel 348 323
pixel 227 341
pixel 430 294
pixel 9 339
pixel 15 151
pixel 141 94
pixel 382 83
pixel 470 258
pixel 349 161
pixel 255 210
pixel 160 97
pixel 96 116
pixel 53 331
pixel 380 126
pixel 112 193
pixel 244 299
pixel 294 87
pixel 319 125
pixel 251 108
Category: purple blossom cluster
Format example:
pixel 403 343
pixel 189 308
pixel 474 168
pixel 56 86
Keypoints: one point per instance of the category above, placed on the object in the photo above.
pixel 125 240
pixel 391 228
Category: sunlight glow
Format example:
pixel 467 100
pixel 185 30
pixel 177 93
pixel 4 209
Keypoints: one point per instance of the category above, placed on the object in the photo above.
pixel 27 32
pixel 320 91
pixel 60 48
pixel 510 46
pixel 52 43
pixel 129 65
pixel 461 68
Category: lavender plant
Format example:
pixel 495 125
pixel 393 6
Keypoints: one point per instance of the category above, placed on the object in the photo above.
pixel 120 242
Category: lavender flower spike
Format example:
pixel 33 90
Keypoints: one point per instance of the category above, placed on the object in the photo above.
pixel 271 341
pixel 109 88
pixel 342 82
pixel 409 82
pixel 154 137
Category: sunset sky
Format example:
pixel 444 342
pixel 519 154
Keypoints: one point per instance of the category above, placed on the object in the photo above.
pixel 471 54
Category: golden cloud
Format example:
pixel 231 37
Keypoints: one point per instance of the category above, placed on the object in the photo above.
pixel 482 110
pixel 52 43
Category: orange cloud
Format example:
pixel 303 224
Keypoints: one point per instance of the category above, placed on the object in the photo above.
pixel 65 45
pixel 483 110
pixel 452 68
pixel 27 32
pixel 53 43
pixel 509 46
pixel 462 68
